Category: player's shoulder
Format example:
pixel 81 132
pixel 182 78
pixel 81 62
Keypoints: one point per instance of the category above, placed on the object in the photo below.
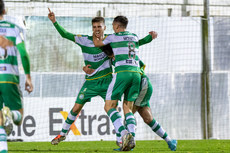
pixel 7 24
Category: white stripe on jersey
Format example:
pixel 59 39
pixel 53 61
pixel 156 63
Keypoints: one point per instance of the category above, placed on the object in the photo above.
pixel 12 32
pixel 11 51
pixel 130 62
pixel 104 66
pixel 9 69
pixel 84 41
pixel 123 50
pixel 94 57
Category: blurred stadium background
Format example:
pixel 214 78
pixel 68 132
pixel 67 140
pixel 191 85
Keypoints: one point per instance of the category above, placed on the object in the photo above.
pixel 188 65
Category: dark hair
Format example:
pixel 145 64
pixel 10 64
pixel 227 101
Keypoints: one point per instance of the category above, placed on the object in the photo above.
pixel 122 20
pixel 2 7
pixel 98 19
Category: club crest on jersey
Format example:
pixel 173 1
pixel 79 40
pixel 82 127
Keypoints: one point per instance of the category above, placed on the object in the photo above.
pixel 81 96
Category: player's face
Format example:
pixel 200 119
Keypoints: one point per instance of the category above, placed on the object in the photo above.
pixel 98 29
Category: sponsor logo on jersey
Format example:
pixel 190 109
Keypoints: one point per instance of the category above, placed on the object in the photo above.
pixel 99 57
pixel 5 24
pixel 129 38
pixel 2 30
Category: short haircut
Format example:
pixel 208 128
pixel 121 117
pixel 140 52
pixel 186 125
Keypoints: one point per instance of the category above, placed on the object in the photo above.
pixel 122 20
pixel 98 19
pixel 2 7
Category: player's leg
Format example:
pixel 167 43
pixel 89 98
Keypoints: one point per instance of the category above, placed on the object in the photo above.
pixel 114 93
pixel 85 94
pixel 144 110
pixel 13 110
pixel 130 95
pixel 67 124
pixel 3 136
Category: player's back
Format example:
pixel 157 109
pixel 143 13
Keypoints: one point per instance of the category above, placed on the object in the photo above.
pixel 125 48
pixel 8 58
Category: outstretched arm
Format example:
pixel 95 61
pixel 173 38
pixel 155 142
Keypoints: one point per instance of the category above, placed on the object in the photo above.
pixel 152 35
pixel 60 29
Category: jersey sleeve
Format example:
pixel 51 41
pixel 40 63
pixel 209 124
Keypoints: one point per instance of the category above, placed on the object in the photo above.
pixel 63 32
pixel 145 40
pixel 83 40
pixel 24 57
pixel 19 36
pixel 108 39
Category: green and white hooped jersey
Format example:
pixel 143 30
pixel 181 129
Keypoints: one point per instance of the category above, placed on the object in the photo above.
pixel 125 48
pixel 8 58
pixel 94 57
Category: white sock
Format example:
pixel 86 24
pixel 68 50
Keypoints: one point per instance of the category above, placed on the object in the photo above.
pixel 3 140
pixel 17 116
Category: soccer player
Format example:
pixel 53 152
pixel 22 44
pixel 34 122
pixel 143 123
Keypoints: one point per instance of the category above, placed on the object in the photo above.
pixel 142 103
pixel 142 106
pixel 11 42
pixel 126 80
pixel 97 82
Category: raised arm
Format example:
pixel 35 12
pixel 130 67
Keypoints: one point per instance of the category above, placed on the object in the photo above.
pixel 152 35
pixel 60 29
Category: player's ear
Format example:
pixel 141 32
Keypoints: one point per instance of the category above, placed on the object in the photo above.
pixel 4 11
pixel 105 28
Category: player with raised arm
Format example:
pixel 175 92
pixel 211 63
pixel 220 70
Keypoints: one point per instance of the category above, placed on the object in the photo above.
pixel 11 42
pixel 98 80
pixel 126 80
pixel 95 84
pixel 142 102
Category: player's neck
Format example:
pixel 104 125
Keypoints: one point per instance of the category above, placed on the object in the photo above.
pixel 120 30
pixel 1 17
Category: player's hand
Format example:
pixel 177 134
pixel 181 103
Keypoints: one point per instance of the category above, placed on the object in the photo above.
pixel 51 16
pixel 112 57
pixel 5 42
pixel 153 34
pixel 28 85
pixel 97 41
pixel 88 70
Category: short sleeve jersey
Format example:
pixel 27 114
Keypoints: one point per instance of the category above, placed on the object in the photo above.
pixel 125 48
pixel 8 58
pixel 94 57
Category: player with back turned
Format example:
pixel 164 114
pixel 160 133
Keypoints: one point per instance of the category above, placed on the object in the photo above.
pixel 11 42
pixel 126 80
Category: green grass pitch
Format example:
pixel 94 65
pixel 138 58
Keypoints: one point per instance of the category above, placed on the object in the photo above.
pixel 155 146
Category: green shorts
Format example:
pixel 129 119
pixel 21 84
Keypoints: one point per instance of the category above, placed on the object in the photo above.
pixel 124 82
pixel 93 88
pixel 145 93
pixel 10 96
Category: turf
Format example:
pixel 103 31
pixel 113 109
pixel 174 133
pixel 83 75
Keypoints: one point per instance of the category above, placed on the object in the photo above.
pixel 184 146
